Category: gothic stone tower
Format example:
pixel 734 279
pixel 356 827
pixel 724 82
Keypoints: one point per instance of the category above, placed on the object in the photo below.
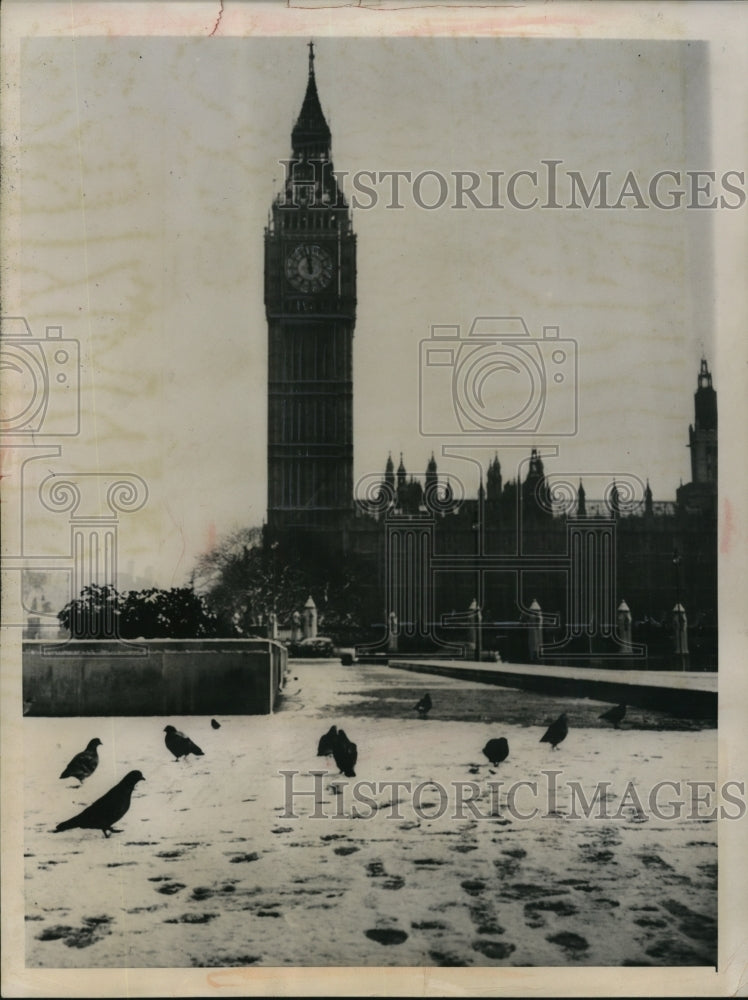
pixel 310 303
pixel 700 495
pixel 702 436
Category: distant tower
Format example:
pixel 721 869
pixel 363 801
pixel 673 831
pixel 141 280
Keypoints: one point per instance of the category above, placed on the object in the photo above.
pixel 493 481
pixel 581 501
pixel 431 476
pixel 700 495
pixel 389 473
pixel 401 483
pixel 481 489
pixel 448 497
pixel 535 496
pixel 614 503
pixel 702 435
pixel 401 473
pixel 310 303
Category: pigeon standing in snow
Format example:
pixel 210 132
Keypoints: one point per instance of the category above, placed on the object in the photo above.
pixel 424 706
pixel 84 764
pixel 179 744
pixel 556 732
pixel 104 812
pixel 345 754
pixel 214 724
pixel 615 715
pixel 496 750
pixel 327 742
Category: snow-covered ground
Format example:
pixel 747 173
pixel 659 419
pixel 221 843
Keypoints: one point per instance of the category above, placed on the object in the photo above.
pixel 212 868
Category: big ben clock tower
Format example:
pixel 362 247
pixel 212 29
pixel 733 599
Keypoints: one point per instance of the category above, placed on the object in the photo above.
pixel 310 303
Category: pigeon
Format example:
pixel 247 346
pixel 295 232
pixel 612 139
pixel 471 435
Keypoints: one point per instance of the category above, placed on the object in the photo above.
pixel 214 724
pixel 84 764
pixel 179 744
pixel 496 750
pixel 345 754
pixel 614 715
pixel 424 706
pixel 104 812
pixel 327 742
pixel 556 732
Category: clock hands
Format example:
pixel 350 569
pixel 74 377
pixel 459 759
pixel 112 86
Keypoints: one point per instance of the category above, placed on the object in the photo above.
pixel 309 268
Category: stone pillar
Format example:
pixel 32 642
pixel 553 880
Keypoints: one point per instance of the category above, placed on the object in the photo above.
pixel 295 627
pixel 478 633
pixel 474 629
pixel 623 632
pixel 535 631
pixel 623 620
pixel 272 625
pixel 392 632
pixel 680 636
pixel 310 619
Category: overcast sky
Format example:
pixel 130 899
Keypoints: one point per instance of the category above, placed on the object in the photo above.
pixel 148 169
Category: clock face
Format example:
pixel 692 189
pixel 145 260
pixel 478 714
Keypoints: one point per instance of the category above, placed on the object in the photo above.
pixel 309 268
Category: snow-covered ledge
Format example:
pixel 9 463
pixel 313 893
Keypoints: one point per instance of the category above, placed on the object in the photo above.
pixel 152 677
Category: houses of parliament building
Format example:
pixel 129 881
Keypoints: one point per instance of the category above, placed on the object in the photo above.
pixel 524 548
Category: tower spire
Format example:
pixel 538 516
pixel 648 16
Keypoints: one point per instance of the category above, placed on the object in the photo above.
pixel 311 133
pixel 581 501
pixel 431 476
pixel 493 479
pixel 389 473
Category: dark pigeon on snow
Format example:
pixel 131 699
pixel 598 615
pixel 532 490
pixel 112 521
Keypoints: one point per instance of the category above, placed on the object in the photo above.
pixel 104 812
pixel 345 754
pixel 424 706
pixel 214 724
pixel 556 732
pixel 327 742
pixel 179 744
pixel 496 750
pixel 615 715
pixel 84 764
